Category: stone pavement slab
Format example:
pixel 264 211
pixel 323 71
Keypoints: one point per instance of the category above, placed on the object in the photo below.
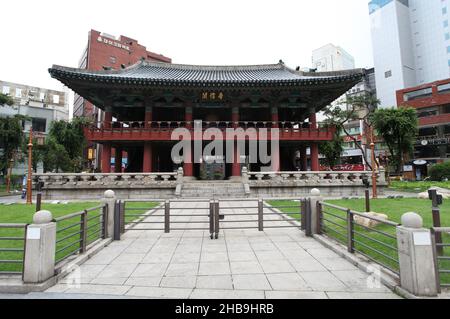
pixel 242 263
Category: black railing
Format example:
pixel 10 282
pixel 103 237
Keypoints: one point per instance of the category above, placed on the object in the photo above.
pixel 12 248
pixel 442 255
pixel 377 243
pixel 75 232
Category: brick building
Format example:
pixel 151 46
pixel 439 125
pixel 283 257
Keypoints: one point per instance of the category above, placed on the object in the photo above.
pixel 106 52
pixel 432 102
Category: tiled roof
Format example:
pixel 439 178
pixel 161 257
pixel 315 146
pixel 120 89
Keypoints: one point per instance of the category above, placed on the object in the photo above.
pixel 158 73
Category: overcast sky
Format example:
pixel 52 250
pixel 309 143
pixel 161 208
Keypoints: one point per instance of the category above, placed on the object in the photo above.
pixel 37 34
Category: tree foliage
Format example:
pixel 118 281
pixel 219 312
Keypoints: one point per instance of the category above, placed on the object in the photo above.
pixel 6 100
pixel 332 150
pixel 11 137
pixel 64 146
pixel 398 127
pixel 358 107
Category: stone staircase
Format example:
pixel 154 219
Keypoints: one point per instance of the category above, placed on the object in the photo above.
pixel 212 189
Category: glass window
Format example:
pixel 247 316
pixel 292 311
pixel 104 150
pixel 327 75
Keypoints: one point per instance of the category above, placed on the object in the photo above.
pixel 419 94
pixel 56 99
pixel 388 74
pixel 447 36
pixel 5 90
pixel 444 10
pixel 444 88
pixel 18 92
pixel 445 23
pixel 38 124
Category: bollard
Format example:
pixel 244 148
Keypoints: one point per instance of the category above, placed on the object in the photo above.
pixel 260 215
pixel 416 258
pixel 40 248
pixel 167 217
pixel 109 200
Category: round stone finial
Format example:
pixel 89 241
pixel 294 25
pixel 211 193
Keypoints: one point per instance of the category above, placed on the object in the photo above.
pixel 109 194
pixel 412 220
pixel 315 192
pixel 42 217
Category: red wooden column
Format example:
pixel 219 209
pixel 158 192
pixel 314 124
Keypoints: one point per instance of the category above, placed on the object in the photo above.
pixel 108 117
pixel 303 159
pixel 106 158
pixel 315 157
pixel 274 116
pixel 314 146
pixel 118 160
pixel 236 165
pixel 188 165
pixel 147 161
pixel 148 116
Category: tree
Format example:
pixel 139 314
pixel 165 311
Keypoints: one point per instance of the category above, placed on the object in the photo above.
pixel 68 139
pixel 352 108
pixel 398 127
pixel 55 157
pixel 11 137
pixel 332 150
pixel 6 100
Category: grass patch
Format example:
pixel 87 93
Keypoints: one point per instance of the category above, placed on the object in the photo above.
pixel 417 186
pixel 335 226
pixel 21 213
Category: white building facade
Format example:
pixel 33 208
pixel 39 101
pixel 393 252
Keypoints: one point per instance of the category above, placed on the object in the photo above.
pixel 332 58
pixel 411 44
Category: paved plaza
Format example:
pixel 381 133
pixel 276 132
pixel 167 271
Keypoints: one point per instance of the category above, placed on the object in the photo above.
pixel 244 263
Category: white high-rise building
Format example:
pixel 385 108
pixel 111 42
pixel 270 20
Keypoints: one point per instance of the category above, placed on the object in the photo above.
pixel 332 58
pixel 411 44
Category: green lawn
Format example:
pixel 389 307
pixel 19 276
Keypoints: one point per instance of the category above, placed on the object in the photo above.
pixel 68 237
pixel 335 226
pixel 417 186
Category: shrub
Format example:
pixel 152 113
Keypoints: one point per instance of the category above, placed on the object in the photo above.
pixel 440 172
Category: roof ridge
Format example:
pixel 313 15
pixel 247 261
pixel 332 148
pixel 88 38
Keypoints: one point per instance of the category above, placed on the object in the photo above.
pixel 213 67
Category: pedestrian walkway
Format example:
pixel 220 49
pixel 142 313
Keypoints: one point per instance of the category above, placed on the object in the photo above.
pixel 245 263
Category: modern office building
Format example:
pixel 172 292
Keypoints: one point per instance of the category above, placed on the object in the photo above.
pixel 432 102
pixel 332 58
pixel 411 44
pixel 40 106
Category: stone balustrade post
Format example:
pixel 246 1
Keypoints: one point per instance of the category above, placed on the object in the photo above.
pixel 416 261
pixel 40 248
pixel 109 200
pixel 314 199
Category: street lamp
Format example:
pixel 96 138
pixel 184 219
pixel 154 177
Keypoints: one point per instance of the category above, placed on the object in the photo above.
pixel 374 172
pixel 30 170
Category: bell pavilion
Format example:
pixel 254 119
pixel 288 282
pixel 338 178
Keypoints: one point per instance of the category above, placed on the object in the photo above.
pixel 143 104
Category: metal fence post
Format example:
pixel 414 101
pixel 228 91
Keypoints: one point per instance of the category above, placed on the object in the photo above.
pixel 38 201
pixel 319 218
pixel 308 230
pixel 303 214
pixel 350 234
pixel 167 217
pixel 83 232
pixel 367 194
pixel 435 258
pixel 216 219
pixel 122 217
pixel 211 219
pixel 260 215
pixel 117 208
pixel 104 221
pixel 436 214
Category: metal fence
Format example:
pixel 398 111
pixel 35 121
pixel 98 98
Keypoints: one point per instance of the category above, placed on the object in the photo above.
pixel 377 243
pixel 75 232
pixel 204 215
pixel 12 248
pixel 442 255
